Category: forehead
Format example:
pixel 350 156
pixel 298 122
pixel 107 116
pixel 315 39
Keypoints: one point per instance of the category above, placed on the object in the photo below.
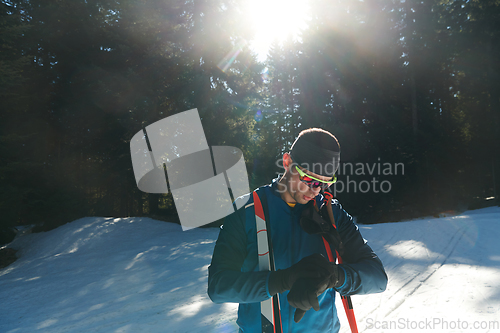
pixel 307 172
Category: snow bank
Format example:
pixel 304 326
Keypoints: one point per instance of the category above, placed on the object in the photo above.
pixel 111 275
pixel 443 275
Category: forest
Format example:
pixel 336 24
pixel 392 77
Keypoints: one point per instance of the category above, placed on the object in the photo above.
pixel 410 88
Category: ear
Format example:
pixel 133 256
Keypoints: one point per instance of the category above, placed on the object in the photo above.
pixel 287 160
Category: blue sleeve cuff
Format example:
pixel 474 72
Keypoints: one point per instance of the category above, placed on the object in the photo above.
pixel 267 286
pixel 345 278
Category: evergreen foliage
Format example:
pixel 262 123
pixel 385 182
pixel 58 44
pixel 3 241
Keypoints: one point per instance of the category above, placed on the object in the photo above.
pixel 413 82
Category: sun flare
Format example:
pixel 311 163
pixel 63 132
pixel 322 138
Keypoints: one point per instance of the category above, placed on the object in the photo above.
pixel 275 20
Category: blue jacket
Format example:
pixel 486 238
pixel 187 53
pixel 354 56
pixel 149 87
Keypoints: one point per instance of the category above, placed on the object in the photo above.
pixel 234 275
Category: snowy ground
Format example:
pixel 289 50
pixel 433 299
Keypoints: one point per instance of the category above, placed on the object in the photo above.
pixel 141 275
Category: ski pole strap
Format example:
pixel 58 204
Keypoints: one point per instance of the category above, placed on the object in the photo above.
pixel 346 300
pixel 270 308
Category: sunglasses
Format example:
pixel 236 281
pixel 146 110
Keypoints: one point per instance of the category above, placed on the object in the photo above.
pixel 314 182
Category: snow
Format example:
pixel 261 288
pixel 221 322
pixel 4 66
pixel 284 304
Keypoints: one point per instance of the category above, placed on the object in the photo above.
pixel 443 275
pixel 142 275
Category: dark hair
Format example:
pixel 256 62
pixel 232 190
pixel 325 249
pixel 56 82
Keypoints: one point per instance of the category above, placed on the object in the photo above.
pixel 320 138
pixel 316 150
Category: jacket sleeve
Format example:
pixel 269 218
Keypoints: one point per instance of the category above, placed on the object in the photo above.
pixel 365 273
pixel 226 281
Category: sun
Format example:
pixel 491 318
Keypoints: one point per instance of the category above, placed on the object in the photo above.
pixel 275 20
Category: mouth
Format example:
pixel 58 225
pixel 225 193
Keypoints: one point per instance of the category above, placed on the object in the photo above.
pixel 308 198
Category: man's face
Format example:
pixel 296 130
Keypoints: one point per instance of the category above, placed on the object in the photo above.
pixel 298 190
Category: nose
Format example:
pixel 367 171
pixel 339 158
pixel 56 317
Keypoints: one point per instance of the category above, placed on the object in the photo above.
pixel 315 190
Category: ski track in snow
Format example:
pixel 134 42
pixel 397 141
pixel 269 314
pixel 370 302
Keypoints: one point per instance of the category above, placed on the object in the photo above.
pixel 443 275
pixel 142 275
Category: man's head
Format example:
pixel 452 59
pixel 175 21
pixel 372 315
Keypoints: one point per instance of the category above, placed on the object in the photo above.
pixel 312 161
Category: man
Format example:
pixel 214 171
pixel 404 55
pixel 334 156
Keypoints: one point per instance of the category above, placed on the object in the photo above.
pixel 304 278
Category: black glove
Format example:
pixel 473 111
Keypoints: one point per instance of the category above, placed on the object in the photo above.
pixel 312 267
pixel 304 293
